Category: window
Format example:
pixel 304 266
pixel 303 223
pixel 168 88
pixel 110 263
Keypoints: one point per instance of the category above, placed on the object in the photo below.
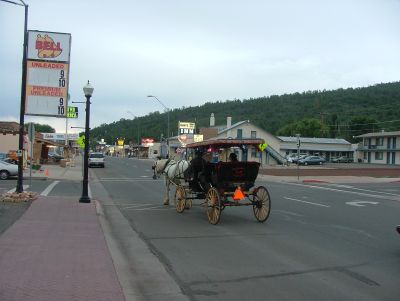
pixel 253 134
pixel 255 153
pixel 365 155
pixel 379 141
pixel 239 133
pixel 378 156
pixel 365 141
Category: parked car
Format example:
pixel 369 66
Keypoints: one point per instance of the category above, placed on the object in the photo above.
pixel 9 160
pixel 312 160
pixel 7 170
pixel 343 159
pixel 295 159
pixel 56 157
pixel 96 159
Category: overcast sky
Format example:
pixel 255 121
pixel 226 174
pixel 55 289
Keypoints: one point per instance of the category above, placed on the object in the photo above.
pixel 190 52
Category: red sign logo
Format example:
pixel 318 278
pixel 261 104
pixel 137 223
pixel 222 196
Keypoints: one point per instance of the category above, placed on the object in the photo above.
pixel 47 48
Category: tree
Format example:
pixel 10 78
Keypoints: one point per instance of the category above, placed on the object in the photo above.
pixel 41 128
pixel 308 127
pixel 361 125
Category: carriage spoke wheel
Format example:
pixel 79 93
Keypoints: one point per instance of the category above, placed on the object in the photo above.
pixel 261 204
pixel 180 199
pixel 213 206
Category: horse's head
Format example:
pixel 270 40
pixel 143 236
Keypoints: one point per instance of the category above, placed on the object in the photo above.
pixel 159 167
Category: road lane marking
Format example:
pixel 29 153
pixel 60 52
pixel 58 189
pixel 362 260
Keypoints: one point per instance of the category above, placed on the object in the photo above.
pixel 25 187
pixel 162 207
pixel 361 203
pixel 134 206
pixel 288 213
pixel 49 188
pixel 361 189
pixel 390 198
pixel 311 203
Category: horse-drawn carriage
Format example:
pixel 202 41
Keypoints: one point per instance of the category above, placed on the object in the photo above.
pixel 220 184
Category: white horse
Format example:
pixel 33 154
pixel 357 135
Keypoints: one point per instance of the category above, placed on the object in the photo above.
pixel 173 171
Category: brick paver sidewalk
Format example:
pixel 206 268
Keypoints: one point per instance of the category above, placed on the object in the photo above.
pixel 57 251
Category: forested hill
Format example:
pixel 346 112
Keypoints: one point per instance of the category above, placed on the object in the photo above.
pixel 341 113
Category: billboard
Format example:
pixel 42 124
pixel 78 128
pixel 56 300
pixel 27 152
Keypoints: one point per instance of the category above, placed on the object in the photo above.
pixel 47 76
pixel 186 132
pixel 60 136
pixel 146 142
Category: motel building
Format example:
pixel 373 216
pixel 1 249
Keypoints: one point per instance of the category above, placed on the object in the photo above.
pixel 380 148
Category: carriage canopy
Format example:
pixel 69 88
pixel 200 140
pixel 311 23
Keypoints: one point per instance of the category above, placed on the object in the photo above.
pixel 226 143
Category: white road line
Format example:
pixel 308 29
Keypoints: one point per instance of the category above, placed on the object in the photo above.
pixel 13 190
pixel 355 188
pixel 311 203
pixel 49 188
pixel 134 206
pixel 162 207
pixel 132 180
pixel 392 198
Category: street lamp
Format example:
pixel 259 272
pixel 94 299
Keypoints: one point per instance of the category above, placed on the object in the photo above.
pixel 138 130
pixel 165 109
pixel 20 186
pixel 88 90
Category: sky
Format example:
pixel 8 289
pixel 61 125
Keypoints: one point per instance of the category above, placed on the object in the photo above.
pixel 191 52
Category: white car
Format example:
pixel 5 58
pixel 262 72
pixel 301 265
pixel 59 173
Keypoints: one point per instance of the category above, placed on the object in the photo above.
pixel 7 170
pixel 96 159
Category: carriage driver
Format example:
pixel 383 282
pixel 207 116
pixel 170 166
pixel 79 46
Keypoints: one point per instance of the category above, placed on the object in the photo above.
pixel 197 166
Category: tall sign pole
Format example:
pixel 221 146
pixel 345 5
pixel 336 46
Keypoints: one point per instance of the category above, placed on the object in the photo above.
pixel 298 156
pixel 20 186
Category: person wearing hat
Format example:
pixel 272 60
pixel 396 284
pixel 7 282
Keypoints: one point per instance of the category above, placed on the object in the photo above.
pixel 233 157
pixel 197 166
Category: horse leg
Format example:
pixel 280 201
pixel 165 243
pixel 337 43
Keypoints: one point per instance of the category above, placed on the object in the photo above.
pixel 166 199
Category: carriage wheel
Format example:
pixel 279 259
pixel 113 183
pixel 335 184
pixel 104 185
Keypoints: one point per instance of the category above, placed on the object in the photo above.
pixel 213 206
pixel 261 204
pixel 180 199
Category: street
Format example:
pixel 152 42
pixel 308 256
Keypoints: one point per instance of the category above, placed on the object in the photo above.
pixel 322 241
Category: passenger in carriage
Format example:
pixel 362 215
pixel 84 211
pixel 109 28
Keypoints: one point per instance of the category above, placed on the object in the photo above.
pixel 233 157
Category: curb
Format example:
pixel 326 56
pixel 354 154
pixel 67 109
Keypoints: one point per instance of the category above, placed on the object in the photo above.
pixel 315 181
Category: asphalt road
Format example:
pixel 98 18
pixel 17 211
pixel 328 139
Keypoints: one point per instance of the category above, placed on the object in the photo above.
pixel 321 241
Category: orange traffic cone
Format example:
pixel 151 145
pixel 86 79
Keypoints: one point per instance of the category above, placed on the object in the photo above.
pixel 238 195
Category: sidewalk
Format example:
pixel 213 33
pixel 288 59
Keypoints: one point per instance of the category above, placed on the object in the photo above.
pixel 56 172
pixel 57 251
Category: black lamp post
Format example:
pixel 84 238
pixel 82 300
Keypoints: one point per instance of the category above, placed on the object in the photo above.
pixel 152 96
pixel 88 90
pixel 20 187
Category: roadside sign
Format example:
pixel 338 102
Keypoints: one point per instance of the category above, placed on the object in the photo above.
pixel 81 141
pixel 31 132
pixel 72 112
pixel 47 76
pixel 262 146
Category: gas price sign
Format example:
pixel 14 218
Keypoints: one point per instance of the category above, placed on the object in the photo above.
pixel 47 74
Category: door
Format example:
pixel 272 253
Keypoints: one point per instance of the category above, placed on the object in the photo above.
pixel 388 158
pixel 393 158
pixel 369 157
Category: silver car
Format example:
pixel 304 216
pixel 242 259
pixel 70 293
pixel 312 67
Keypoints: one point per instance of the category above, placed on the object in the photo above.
pixel 7 170
pixel 96 159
